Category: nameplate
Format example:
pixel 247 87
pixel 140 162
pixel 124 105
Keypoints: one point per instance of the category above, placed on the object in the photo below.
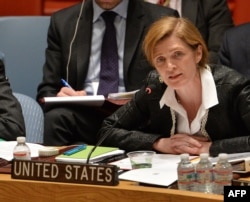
pixel 65 172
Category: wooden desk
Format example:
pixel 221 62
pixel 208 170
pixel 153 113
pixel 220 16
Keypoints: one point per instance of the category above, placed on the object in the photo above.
pixel 39 191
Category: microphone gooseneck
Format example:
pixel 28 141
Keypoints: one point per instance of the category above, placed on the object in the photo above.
pixel 148 91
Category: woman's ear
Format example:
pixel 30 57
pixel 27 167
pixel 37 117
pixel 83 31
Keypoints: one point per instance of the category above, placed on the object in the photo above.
pixel 198 54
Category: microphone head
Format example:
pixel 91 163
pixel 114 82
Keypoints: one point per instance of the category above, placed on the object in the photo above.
pixel 150 88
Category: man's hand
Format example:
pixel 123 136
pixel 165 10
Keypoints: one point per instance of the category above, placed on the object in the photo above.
pixel 65 91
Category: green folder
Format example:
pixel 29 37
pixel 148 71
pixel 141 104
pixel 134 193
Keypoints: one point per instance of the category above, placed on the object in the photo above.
pixel 99 154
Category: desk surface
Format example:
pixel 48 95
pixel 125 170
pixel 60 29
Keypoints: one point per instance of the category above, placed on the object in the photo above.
pixel 25 190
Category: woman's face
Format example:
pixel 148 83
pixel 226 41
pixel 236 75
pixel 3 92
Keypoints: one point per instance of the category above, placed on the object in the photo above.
pixel 176 62
pixel 107 4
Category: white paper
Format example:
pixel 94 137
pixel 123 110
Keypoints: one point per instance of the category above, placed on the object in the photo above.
pixel 233 157
pixel 154 176
pixel 162 173
pixel 88 100
pixel 152 1
pixel 120 96
pixel 159 161
pixel 7 147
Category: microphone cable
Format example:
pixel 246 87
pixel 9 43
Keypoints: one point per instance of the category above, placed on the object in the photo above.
pixel 72 41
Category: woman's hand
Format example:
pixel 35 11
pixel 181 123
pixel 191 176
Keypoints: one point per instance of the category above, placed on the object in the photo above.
pixel 183 143
pixel 66 91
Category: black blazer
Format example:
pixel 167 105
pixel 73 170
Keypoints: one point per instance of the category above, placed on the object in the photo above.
pixel 11 117
pixel 235 49
pixel 212 18
pixel 139 123
pixel 140 16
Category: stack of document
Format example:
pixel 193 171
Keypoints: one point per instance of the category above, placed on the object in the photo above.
pixel 239 161
pixel 162 173
pixel 7 147
pixel 101 153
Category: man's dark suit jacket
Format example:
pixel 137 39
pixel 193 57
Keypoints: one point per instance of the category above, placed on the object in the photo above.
pixel 212 18
pixel 11 117
pixel 61 30
pixel 235 49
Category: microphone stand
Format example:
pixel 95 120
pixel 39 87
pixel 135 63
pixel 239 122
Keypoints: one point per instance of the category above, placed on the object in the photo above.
pixel 102 139
pixel 147 91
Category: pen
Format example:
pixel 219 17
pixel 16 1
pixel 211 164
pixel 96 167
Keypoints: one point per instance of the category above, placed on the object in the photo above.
pixel 65 83
pixel 75 150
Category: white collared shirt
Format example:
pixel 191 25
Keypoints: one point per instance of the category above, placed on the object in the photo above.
pixel 209 99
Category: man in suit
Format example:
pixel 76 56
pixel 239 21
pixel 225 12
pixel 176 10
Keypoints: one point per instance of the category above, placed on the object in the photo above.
pixel 235 49
pixel 74 124
pixel 211 17
pixel 11 117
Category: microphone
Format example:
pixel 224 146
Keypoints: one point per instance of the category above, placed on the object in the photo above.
pixel 147 91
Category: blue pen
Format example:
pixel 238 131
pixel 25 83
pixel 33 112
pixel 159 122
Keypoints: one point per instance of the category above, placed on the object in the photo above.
pixel 75 150
pixel 65 83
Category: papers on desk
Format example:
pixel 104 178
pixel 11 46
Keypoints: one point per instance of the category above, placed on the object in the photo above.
pixel 239 161
pixel 233 157
pixel 6 149
pixel 101 153
pixel 159 161
pixel 153 176
pixel 162 173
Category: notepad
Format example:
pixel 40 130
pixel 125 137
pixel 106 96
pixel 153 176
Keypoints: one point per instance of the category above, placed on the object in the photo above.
pixel 100 154
pixel 89 100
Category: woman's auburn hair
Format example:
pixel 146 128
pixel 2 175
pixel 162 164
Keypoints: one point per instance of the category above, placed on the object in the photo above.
pixel 180 27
